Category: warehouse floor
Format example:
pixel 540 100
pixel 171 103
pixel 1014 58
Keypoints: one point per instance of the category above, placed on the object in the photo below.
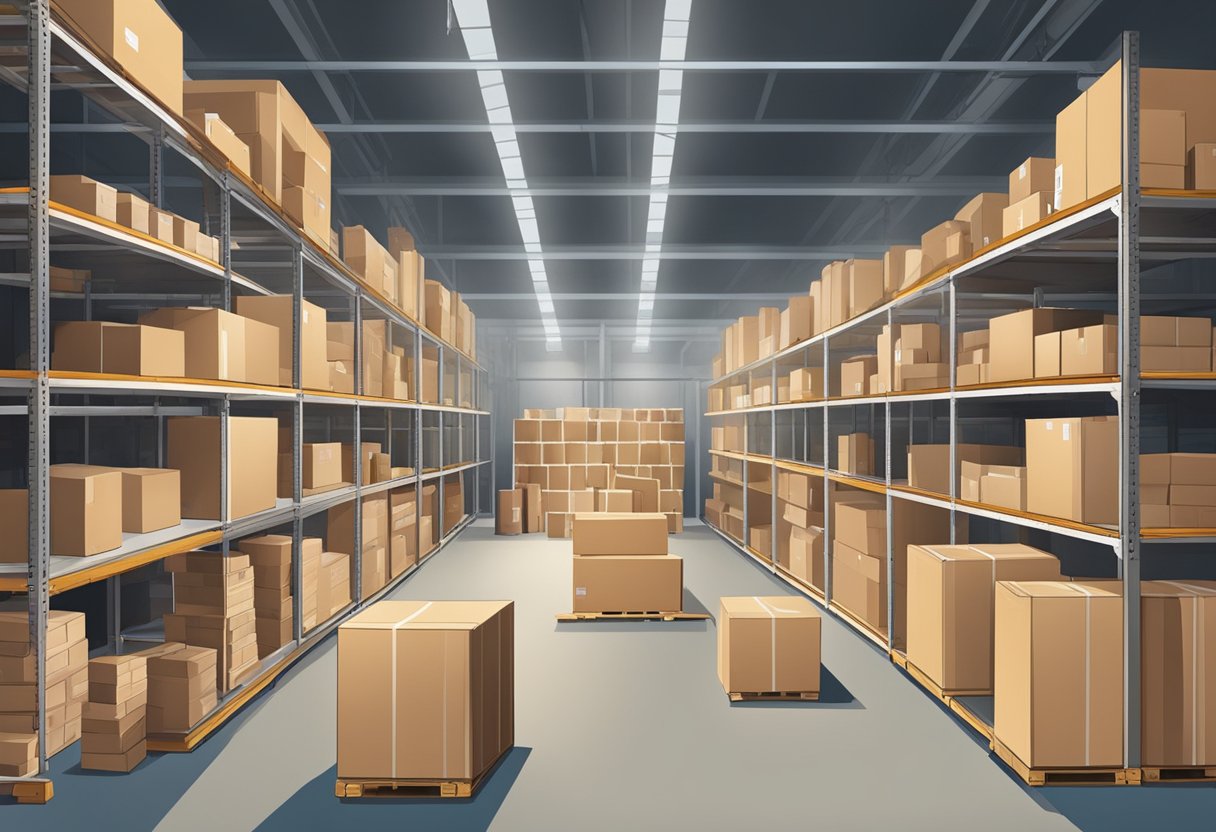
pixel 619 726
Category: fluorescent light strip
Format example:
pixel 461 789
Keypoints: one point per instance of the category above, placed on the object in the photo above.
pixel 473 19
pixel 676 14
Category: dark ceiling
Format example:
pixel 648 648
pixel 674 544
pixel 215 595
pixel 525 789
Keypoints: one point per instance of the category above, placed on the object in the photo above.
pixel 736 243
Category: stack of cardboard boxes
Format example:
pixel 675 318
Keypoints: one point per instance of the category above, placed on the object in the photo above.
pixel 213 607
pixel 114 736
pixel 621 564
pixel 929 470
pixel 374 519
pixel 181 686
pixel 1178 490
pixel 340 355
pixel 1031 195
pixel 333 585
pixel 270 558
pixel 577 455
pixel 403 529
pixel 67 688
pixel 800 526
pixel 909 358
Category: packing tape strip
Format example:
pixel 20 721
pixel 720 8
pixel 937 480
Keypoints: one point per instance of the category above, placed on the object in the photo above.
pixel 1198 628
pixel 392 644
pixel 1088 596
pixel 772 614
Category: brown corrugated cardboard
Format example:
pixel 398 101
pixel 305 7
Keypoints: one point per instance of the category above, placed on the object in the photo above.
pixel 160 224
pixel 223 137
pixel 1070 179
pixel 628 583
pixel 806 384
pixel 1024 213
pixel 806 555
pixel 151 499
pixel 855 375
pixel 1004 486
pixel 85 195
pixel 367 451
pixel 132 211
pixel 933 246
pixel 214 340
pixel 194 449
pixel 1176 359
pixel 425 689
pixel 620 534
pixel 894 267
pixel 983 218
pixel 1090 351
pixel 1033 175
pixel 855 454
pixel 859 584
pixel 1013 335
pixel 1058 673
pixel 797 321
pixel 768 644
pixel 1047 355
pixel 261 353
pixel 276 310
pixel 86 509
pixel 508 516
pixel 321 464
pixel 143 351
pixel 1071 468
pixel 950 607
pixel 1169 331
pixel 1201 167
pixel 865 285
pixel 929 465
pixel 140 37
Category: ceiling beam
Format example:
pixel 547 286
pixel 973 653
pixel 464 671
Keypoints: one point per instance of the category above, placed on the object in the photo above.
pixel 631 297
pixel 723 186
pixel 591 126
pixel 669 252
pixel 1002 67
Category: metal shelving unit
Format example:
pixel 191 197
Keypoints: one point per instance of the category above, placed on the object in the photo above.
pixel 252 229
pixel 1098 245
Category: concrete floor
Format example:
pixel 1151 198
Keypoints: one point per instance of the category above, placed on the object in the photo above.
pixel 619 726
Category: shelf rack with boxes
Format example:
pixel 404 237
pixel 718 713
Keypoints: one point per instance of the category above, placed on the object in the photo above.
pixel 418 405
pixel 936 435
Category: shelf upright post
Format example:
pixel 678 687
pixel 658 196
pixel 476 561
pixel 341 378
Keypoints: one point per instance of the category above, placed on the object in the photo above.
pixel 39 404
pixel 439 444
pixel 827 482
pixel 297 412
pixel 952 329
pixel 1129 397
pixel 156 169
pixel 747 535
pixel 226 235
pixel 774 544
pixel 356 557
pixel 890 524
pixel 417 440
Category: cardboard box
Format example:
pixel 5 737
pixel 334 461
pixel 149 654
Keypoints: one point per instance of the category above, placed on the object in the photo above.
pixel 929 465
pixel 160 224
pixel 1090 351
pixel 151 499
pixel 194 449
pixel 132 211
pixel 1035 175
pixel 629 583
pixel 85 195
pixel 806 384
pixel 1169 331
pixel 1071 468
pixel 533 513
pixel 261 353
pixel 855 375
pixel 859 584
pixel 1024 213
pixel 321 464
pixel 276 310
pixel 124 349
pixel 982 215
pixel 865 285
pixel 1047 355
pixel 86 509
pixel 1176 359
pixel 620 534
pixel 1058 673
pixel 367 452
pixel 768 644
pixel 1013 337
pixel 950 607
pixel 214 340
pixel 894 267
pixel 225 139
pixel 933 246
pixel 1071 186
pixel 425 689
pixel 339 340
pixel 508 517
pixel 557 524
pixel 140 37
pixel 1201 167
pixel 1004 486
pixel 797 321
pixel 855 454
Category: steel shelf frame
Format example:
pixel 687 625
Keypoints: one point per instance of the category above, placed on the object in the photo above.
pixel 41 394
pixel 1120 257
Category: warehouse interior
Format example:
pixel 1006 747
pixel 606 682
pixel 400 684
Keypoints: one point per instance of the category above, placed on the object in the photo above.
pixel 522 414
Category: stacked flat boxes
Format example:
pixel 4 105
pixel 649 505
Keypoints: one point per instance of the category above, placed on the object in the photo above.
pixel 270 558
pixel 67 687
pixel 213 607
pixel 574 454
pixel 402 522
pixel 621 564
pixel 114 736
pixel 181 686
pixel 340 537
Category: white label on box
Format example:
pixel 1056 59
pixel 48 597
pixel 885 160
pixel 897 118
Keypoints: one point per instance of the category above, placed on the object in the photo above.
pixel 304 314
pixel 1049 426
pixel 1022 171
pixel 1059 195
pixel 131 38
pixel 1065 433
pixel 580 591
pixel 514 515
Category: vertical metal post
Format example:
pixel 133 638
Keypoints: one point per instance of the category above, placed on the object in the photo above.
pixel 297 524
pixel 156 170
pixel 774 545
pixel 827 482
pixel 417 441
pixel 890 524
pixel 114 609
pixel 439 444
pixel 953 403
pixel 226 236
pixel 1129 397
pixel 225 415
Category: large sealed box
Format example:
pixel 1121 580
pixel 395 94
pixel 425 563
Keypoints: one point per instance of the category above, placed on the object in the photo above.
pixel 629 583
pixel 194 449
pixel 768 644
pixel 620 534
pixel 1012 338
pixel 509 512
pixel 1058 673
pixel 125 349
pixel 1072 468
pixel 426 689
pixel 214 340
pixel 86 509
pixel 950 614
pixel 151 499
pixel 276 310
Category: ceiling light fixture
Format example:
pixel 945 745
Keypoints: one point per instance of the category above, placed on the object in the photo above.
pixel 473 20
pixel 676 14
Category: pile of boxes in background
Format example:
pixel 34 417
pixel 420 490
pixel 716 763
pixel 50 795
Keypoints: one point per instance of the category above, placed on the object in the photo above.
pixel 114 735
pixel 181 686
pixel 602 459
pixel 67 688
pixel 621 564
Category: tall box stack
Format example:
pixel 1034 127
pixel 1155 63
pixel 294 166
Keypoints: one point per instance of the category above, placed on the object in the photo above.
pixel 574 454
pixel 213 607
pixel 67 687
pixel 114 736
pixel 621 564
pixel 426 690
pixel 403 532
pixel 270 558
pixel 181 686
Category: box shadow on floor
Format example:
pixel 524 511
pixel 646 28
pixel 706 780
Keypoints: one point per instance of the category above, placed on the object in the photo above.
pixel 315 807
pixel 692 604
pixel 832 694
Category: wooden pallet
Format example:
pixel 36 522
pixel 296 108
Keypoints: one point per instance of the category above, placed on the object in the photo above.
pixel 388 787
pixel 1177 774
pixel 861 626
pixel 29 791
pixel 946 697
pixel 776 696
pixel 1080 776
pixel 632 616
